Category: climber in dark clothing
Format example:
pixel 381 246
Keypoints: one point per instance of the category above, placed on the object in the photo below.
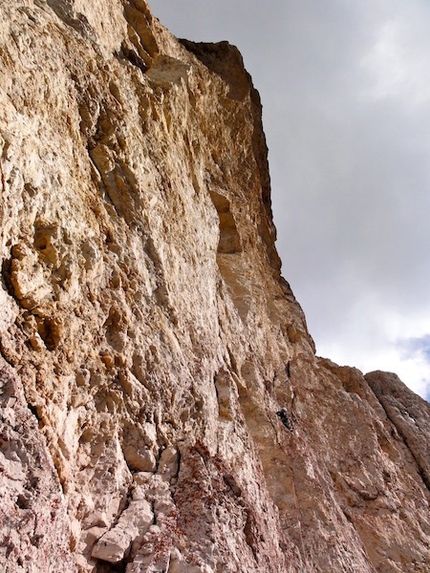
pixel 283 416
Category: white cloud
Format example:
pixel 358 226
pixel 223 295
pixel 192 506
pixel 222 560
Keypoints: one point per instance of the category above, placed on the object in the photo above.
pixel 398 65
pixel 385 340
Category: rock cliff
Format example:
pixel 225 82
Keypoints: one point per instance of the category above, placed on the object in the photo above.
pixel 162 406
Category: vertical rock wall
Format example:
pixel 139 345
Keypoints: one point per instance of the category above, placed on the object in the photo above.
pixel 148 340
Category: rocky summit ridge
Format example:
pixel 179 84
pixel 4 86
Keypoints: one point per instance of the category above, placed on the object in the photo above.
pixel 162 406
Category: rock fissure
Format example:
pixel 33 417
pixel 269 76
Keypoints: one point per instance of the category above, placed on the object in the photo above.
pixel 130 55
pixel 397 415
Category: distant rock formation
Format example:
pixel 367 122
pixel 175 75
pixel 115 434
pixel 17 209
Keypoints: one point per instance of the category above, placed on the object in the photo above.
pixel 148 340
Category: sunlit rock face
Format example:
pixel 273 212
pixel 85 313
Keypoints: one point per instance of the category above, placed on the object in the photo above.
pixel 162 407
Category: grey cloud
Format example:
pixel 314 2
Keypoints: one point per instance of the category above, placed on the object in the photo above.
pixel 345 88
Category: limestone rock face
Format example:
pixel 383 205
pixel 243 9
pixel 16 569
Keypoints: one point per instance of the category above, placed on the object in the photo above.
pixel 148 340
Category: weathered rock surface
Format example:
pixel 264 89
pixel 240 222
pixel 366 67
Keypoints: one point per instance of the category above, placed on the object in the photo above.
pixel 148 340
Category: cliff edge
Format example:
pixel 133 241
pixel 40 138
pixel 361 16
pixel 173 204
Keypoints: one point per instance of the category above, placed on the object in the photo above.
pixel 162 408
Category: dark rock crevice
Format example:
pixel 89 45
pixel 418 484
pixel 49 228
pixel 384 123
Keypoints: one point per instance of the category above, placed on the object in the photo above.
pixel 409 414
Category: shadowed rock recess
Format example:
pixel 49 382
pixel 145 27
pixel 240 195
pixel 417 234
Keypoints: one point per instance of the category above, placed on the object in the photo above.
pixel 162 407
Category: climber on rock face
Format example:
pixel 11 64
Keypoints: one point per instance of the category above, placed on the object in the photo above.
pixel 283 416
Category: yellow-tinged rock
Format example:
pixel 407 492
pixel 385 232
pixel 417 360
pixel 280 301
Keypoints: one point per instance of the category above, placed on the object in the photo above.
pixel 148 340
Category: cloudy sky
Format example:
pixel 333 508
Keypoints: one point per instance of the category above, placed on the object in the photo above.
pixel 345 86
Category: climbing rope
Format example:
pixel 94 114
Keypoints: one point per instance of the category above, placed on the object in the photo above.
pixel 282 414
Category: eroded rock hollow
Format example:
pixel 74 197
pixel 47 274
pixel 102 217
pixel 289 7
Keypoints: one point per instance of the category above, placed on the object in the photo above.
pixel 162 406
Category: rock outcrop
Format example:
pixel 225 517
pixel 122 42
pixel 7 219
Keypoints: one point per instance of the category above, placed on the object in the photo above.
pixel 162 406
